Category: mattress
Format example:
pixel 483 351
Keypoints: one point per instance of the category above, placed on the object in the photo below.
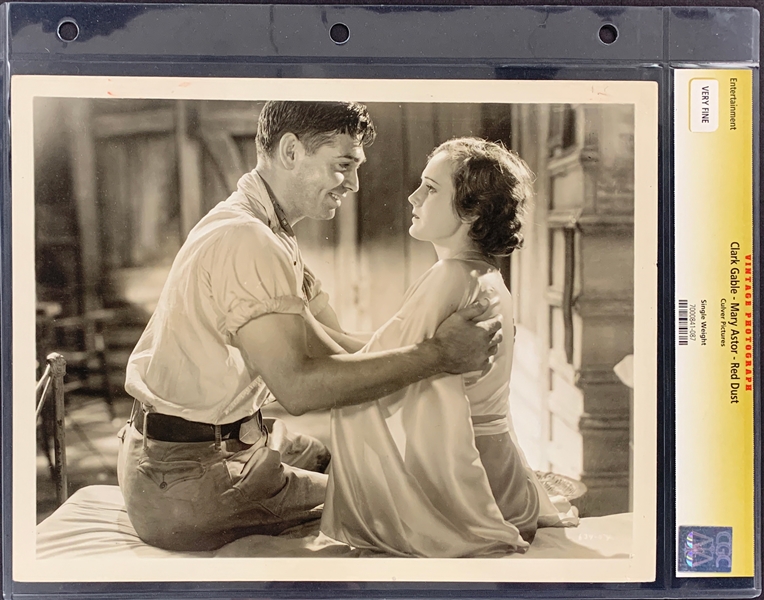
pixel 94 522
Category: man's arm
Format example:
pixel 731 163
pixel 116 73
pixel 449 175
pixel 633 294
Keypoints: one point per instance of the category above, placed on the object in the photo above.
pixel 354 341
pixel 303 381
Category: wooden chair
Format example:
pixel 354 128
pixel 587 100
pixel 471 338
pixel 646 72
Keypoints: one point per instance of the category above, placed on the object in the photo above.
pixel 81 340
pixel 51 384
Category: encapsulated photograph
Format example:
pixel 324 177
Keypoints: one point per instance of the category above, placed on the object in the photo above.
pixel 269 320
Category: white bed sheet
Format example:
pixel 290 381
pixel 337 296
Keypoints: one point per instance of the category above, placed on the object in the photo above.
pixel 93 522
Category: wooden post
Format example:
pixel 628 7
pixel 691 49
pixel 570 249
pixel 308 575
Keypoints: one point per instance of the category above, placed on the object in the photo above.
pixel 189 167
pixel 85 183
pixel 58 370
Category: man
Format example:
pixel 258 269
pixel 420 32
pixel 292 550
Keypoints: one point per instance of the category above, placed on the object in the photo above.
pixel 241 320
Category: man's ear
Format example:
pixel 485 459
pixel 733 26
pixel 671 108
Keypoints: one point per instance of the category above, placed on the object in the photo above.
pixel 290 151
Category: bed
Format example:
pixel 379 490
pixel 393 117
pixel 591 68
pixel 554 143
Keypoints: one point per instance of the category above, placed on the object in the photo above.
pixel 94 522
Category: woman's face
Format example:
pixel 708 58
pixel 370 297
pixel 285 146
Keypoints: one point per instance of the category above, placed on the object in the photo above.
pixel 434 218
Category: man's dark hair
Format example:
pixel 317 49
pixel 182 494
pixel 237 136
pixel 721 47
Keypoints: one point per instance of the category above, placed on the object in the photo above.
pixel 314 124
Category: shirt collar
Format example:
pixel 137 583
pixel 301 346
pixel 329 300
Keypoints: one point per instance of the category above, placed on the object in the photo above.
pixel 263 202
pixel 280 214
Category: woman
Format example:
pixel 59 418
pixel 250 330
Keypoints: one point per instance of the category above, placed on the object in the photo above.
pixel 433 470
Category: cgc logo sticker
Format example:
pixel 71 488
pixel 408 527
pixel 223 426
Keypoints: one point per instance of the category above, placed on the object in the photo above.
pixel 705 549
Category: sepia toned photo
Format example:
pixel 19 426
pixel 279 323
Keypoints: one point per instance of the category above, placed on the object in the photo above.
pixel 290 330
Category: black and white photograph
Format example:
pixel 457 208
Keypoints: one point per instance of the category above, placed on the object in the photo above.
pixel 274 321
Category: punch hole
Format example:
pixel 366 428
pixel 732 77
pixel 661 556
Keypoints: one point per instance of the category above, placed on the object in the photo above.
pixel 68 30
pixel 340 33
pixel 608 34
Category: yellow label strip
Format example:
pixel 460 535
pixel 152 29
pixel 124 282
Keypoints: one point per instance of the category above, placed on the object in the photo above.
pixel 713 169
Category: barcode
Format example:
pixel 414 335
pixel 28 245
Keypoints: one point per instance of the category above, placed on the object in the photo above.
pixel 682 318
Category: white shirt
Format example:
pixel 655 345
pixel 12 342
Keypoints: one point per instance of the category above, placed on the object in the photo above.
pixel 237 264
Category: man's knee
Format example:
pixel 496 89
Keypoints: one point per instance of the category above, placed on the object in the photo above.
pixel 297 449
pixel 309 454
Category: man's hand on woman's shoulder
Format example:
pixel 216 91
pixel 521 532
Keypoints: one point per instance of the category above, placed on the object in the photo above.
pixel 466 343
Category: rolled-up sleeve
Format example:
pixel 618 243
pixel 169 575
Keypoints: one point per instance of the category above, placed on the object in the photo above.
pixel 251 275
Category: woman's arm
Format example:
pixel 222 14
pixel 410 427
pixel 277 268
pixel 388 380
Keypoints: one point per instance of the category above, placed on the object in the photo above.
pixel 350 342
pixel 320 340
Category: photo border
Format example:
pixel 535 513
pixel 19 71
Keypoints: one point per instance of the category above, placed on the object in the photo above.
pixel 640 567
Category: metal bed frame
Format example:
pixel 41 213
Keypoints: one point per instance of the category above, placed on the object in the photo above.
pixel 52 384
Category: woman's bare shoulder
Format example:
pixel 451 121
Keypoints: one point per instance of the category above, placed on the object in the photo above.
pixel 451 280
pixel 459 272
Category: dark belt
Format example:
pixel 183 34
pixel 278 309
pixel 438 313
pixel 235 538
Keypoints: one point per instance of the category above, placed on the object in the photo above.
pixel 166 428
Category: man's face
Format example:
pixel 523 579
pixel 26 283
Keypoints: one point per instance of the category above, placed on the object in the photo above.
pixel 322 179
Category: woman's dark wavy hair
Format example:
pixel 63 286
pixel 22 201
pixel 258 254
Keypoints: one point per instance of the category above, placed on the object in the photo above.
pixel 492 188
pixel 314 123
